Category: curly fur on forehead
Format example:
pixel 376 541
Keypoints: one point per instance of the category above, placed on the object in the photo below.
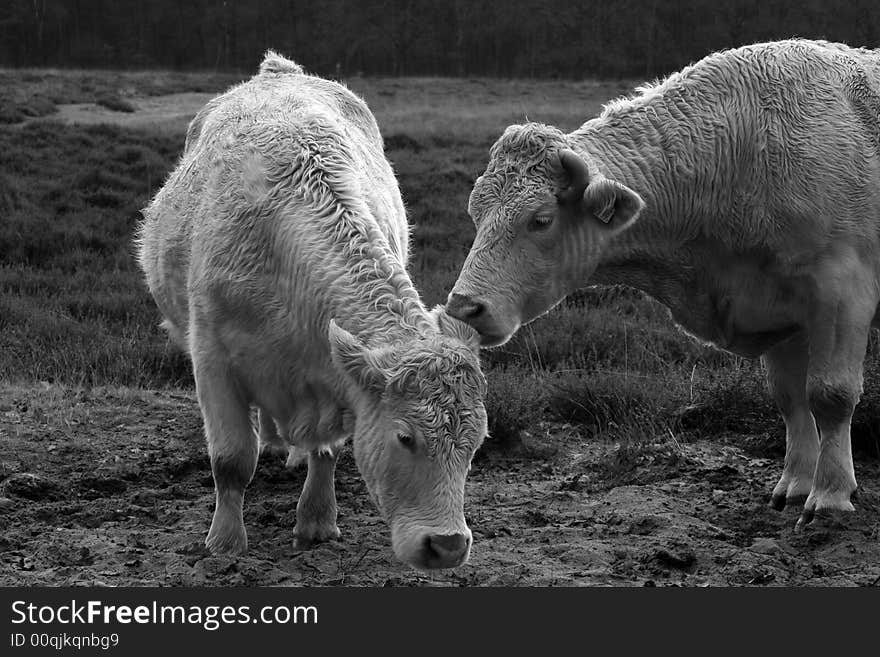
pixel 520 165
pixel 445 377
pixel 427 366
pixel 526 145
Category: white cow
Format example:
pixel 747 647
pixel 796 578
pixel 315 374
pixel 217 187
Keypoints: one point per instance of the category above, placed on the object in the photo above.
pixel 755 178
pixel 276 252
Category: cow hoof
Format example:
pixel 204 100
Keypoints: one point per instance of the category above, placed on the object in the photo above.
pixel 825 504
pixel 228 540
pixel 305 539
pixel 790 492
pixel 780 502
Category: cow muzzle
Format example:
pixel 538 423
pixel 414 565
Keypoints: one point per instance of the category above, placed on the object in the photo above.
pixel 478 314
pixel 443 551
pixel 432 551
pixel 446 550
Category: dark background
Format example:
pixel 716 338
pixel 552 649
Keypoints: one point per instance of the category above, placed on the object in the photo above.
pixel 509 38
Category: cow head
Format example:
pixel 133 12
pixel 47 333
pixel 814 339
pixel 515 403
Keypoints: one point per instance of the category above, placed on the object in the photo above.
pixel 543 215
pixel 419 420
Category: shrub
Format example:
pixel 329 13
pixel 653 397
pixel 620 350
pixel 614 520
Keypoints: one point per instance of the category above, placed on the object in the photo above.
pixel 615 405
pixel 515 402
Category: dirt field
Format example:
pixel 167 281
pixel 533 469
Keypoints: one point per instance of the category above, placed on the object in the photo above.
pixel 113 487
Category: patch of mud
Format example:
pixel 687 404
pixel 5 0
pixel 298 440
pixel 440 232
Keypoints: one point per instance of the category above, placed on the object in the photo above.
pixel 113 487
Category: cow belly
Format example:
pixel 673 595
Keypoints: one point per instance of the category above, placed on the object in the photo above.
pixel 748 343
pixel 752 345
pixel 750 325
pixel 746 316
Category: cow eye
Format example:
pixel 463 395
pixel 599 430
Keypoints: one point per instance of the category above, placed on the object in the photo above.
pixel 541 221
pixel 406 440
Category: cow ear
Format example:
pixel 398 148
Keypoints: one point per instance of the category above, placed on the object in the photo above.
pixel 576 173
pixel 359 364
pixel 456 329
pixel 473 199
pixel 616 206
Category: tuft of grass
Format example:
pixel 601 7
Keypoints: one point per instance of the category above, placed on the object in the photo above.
pixel 615 405
pixel 639 462
pixel 733 398
pixel 515 402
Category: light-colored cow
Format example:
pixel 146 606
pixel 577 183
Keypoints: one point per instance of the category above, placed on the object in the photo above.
pixel 743 193
pixel 276 251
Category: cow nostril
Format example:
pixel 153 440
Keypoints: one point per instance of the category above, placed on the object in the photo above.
pixel 476 309
pixel 464 307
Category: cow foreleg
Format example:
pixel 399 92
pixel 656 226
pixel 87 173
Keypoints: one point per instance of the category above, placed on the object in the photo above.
pixel 786 365
pixel 838 340
pixel 316 509
pixel 233 449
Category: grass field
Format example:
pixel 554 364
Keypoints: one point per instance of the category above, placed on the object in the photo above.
pixel 606 368
pixel 74 309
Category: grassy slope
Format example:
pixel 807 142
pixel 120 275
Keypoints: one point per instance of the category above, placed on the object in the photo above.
pixel 73 308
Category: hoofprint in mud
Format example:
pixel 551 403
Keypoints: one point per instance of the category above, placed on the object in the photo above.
pixel 276 252
pixel 744 194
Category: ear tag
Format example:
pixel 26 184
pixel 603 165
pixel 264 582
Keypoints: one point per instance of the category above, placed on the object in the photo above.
pixel 606 212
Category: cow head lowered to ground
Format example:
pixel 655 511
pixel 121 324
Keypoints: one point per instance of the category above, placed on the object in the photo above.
pixel 420 419
pixel 543 214
pixel 282 214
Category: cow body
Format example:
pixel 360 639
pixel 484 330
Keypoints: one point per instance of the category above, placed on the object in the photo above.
pixel 279 237
pixel 753 184
pixel 744 194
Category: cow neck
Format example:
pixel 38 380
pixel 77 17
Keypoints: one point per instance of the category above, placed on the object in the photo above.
pixel 390 312
pixel 652 254
pixel 385 328
pixel 367 287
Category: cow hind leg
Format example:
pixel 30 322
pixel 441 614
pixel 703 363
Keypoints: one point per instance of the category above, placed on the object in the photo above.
pixel 270 441
pixel 786 366
pixel 273 444
pixel 232 448
pixel 838 340
pixel 316 509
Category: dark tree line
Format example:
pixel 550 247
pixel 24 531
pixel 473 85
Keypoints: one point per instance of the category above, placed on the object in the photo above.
pixel 534 38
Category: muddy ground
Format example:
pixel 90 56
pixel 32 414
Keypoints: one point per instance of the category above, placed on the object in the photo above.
pixel 113 487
